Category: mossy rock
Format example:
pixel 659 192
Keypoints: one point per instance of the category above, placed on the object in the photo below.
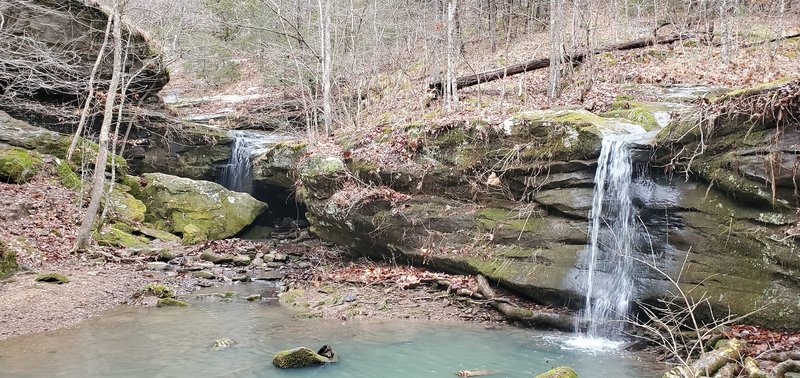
pixel 22 134
pixel 123 206
pixel 298 358
pixel 158 290
pixel 559 372
pixel 152 232
pixel 8 261
pixel 323 174
pixel 18 165
pixel 197 210
pixel 277 166
pixel 172 302
pixel 193 235
pixel 563 134
pixel 66 175
pixel 650 115
pixel 119 235
pixel 55 278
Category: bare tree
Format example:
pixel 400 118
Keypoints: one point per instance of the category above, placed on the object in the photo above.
pixel 83 238
pixel 556 49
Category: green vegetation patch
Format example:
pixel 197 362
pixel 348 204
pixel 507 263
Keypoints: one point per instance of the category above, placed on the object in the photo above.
pixel 157 290
pixel 18 165
pixel 55 278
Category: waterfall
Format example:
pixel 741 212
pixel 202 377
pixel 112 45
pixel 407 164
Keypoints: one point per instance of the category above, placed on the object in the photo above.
pixel 237 174
pixel 609 283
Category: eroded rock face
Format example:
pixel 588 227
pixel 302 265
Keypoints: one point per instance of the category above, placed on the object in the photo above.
pixel 50 47
pixel 450 217
pixel 197 210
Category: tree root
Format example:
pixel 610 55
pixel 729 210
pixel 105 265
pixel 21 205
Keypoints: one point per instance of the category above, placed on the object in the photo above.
pixel 522 315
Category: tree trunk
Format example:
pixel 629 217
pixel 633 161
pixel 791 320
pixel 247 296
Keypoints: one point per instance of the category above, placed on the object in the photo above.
pixel 325 42
pixel 554 85
pixel 452 88
pixel 90 95
pixel 98 180
pixel 532 65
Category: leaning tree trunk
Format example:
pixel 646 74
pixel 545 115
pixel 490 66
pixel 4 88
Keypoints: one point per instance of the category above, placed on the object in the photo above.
pixel 98 180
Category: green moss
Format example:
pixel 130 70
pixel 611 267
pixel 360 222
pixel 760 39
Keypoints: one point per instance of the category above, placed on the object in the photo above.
pixel 133 183
pixel 291 296
pixel 744 92
pixel 58 145
pixel 18 165
pixel 298 358
pixel 124 207
pixel 636 112
pixel 491 218
pixel 8 261
pixel 119 235
pixel 559 372
pixel 157 290
pixel 171 302
pixel 56 278
pixel 67 176
pixel 193 235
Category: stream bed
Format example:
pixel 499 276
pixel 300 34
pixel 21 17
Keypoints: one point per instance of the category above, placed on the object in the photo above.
pixel 177 342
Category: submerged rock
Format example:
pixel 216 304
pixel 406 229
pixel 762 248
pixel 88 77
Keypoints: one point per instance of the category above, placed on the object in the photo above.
pixel 224 343
pixel 172 302
pixel 559 372
pixel 300 357
pixel 198 210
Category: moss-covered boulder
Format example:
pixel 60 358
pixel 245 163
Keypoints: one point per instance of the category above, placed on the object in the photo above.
pixel 197 208
pixel 158 290
pixel 324 174
pixel 559 372
pixel 299 358
pixel 123 206
pixel 8 261
pixel 120 235
pixel 18 165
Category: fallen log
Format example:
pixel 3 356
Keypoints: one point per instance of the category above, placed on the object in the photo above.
pixel 710 362
pixel 527 317
pixel 531 65
pixel 780 370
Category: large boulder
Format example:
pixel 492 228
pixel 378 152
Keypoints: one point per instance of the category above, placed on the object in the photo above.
pixel 197 209
pixel 298 358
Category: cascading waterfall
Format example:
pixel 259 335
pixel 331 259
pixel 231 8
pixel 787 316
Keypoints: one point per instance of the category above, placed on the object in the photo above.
pixel 609 284
pixel 237 174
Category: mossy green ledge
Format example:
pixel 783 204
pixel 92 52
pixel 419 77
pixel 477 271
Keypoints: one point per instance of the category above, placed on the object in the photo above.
pixel 18 165
pixel 201 208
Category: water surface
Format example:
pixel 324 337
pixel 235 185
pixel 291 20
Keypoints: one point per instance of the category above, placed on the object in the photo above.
pixel 176 342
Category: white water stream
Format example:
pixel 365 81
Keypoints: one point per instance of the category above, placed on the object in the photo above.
pixel 237 174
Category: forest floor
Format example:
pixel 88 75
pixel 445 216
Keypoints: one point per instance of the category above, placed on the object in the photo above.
pixel 39 220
